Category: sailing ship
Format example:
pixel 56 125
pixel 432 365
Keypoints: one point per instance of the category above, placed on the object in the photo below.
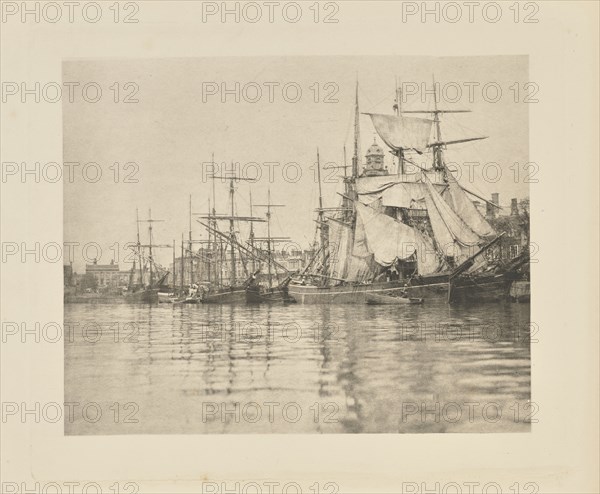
pixel 229 287
pixel 188 291
pixel 417 234
pixel 151 274
pixel 268 291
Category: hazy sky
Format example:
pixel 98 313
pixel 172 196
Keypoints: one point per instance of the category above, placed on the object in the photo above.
pixel 174 128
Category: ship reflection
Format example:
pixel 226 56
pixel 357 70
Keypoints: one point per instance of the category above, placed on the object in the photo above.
pixel 303 369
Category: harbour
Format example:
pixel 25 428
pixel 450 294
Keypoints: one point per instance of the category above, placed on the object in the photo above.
pixel 384 293
pixel 415 234
pixel 211 368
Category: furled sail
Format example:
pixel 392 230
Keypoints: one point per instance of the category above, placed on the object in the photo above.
pixel 339 238
pixel 360 265
pixel 452 234
pixel 464 207
pixel 402 132
pixel 389 240
pixel 349 258
pixel 392 191
pixel 428 260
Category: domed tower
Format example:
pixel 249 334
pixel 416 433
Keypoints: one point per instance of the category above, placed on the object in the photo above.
pixel 375 165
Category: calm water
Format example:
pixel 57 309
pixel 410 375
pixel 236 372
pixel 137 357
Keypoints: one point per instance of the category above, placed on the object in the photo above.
pixel 296 369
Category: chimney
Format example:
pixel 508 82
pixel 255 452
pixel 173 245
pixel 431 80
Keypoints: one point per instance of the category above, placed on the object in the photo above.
pixel 490 211
pixel 514 208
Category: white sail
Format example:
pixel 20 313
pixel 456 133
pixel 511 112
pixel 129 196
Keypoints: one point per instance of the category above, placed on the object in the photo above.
pixel 457 198
pixel 392 191
pixel 390 240
pixel 360 265
pixel 339 238
pixel 400 132
pixel 453 236
pixel 428 260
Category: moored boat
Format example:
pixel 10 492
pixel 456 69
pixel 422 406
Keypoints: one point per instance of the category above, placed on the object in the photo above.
pixel 433 288
pixel 147 288
pixel 388 299
pixel 225 295
pixel 405 232
pixel 166 297
pixel 232 290
pixel 268 288
pixel 258 294
pixel 142 296
pixel 520 291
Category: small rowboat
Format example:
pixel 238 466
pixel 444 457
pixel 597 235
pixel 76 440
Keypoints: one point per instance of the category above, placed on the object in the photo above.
pixel 383 299
pixel 187 300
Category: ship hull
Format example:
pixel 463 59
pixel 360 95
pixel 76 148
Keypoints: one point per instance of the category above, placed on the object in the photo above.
pixel 166 298
pixel 142 297
pixel 380 299
pixel 234 295
pixel 487 288
pixel 520 291
pixel 259 295
pixel 435 288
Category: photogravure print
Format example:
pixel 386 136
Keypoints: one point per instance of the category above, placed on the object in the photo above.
pixel 287 256
pixel 297 241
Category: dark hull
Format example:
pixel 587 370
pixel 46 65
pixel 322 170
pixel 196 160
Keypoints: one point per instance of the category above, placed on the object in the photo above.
pixel 187 300
pixel 520 291
pixel 85 298
pixel 260 295
pixel 378 299
pixel 142 297
pixel 430 288
pixel 234 295
pixel 483 288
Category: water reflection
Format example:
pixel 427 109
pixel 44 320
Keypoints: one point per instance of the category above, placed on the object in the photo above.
pixel 296 369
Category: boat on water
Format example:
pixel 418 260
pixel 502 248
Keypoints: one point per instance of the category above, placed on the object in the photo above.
pixel 231 287
pixel 187 300
pixel 142 296
pixel 406 232
pixel 483 280
pixel 387 299
pixel 150 277
pixel 260 293
pixel 225 295
pixel 166 297
pixel 268 288
pixel 520 291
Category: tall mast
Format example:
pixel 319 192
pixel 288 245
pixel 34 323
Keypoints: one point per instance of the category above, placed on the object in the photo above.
pixel 321 215
pixel 269 237
pixel 190 243
pixel 174 269
pixel 270 240
pixel 398 100
pixel 356 157
pixel 182 265
pixel 232 218
pixel 438 162
pixel 232 231
pixel 213 218
pixel 139 247
pixel 347 188
pixel 214 223
pixel 398 108
pixel 150 246
pixel 210 247
pixel 439 145
pixel 252 234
